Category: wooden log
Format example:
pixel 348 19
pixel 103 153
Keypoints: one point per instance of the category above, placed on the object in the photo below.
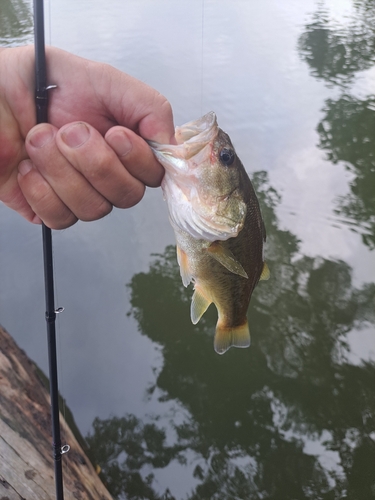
pixel 26 462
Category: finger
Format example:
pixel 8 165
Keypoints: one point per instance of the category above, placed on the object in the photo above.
pixel 106 97
pixel 15 199
pixel 73 189
pixel 42 199
pixel 136 156
pixel 89 153
pixel 134 104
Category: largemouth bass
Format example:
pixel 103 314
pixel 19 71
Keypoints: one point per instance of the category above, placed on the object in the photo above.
pixel 218 225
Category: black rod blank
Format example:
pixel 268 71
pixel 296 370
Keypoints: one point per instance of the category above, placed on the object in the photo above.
pixel 41 103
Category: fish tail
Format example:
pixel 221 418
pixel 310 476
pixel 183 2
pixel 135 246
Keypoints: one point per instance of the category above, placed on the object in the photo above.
pixel 226 337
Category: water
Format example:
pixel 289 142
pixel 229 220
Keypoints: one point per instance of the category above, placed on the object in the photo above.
pixel 293 416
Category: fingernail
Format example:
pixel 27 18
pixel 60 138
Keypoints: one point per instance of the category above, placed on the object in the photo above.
pixel 75 135
pixel 120 143
pixel 24 167
pixel 41 137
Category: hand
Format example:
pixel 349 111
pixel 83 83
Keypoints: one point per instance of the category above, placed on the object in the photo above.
pixel 91 155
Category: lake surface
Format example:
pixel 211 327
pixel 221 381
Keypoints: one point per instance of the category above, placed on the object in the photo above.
pixel 292 417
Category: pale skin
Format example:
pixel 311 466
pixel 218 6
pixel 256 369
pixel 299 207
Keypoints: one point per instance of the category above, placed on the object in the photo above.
pixel 93 154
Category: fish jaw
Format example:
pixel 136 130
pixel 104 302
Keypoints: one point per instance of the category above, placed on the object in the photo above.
pixel 202 130
pixel 192 138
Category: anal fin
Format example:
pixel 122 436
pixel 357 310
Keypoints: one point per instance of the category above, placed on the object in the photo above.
pixel 226 337
pixel 199 305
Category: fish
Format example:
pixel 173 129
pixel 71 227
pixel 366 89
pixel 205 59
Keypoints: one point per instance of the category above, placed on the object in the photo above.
pixel 217 221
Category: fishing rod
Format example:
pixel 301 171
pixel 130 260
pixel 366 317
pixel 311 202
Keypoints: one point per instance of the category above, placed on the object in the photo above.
pixel 41 103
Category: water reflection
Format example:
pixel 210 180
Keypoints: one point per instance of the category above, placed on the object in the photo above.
pixel 291 417
pixel 254 416
pixel 16 22
pixel 335 54
pixel 335 51
pixel 347 135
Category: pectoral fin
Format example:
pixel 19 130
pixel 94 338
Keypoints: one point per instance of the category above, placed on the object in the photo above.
pixel 199 305
pixel 225 337
pixel 226 258
pixel 265 272
pixel 183 262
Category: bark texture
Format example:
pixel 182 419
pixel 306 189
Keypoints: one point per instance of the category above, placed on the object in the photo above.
pixel 26 462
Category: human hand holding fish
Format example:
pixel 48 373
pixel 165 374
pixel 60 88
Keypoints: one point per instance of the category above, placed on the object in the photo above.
pixel 218 226
pixel 92 155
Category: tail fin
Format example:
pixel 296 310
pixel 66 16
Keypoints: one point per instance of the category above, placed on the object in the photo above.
pixel 238 336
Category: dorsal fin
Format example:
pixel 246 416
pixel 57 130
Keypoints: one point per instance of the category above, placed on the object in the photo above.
pixel 199 305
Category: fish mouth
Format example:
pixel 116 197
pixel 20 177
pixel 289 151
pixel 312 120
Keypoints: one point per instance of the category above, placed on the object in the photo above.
pixel 197 130
pixel 191 138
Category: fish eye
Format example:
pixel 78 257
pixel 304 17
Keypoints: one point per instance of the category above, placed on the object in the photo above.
pixel 227 156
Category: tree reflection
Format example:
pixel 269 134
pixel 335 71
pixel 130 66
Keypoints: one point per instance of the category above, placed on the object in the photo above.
pixel 255 414
pixel 347 134
pixel 136 444
pixel 335 54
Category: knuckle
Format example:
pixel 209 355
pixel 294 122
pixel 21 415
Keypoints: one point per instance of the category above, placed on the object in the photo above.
pixel 95 211
pixel 166 105
pixel 63 222
pixel 131 197
pixel 53 212
pixel 156 181
pixel 98 171
pixel 163 105
pixel 37 191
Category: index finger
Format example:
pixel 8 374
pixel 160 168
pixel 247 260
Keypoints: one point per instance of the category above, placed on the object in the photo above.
pixel 142 109
pixel 105 96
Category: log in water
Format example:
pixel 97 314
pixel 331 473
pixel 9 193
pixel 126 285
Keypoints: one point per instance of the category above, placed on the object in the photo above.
pixel 26 462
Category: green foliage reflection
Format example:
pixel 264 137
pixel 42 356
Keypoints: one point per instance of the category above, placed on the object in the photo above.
pixel 335 52
pixel 347 134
